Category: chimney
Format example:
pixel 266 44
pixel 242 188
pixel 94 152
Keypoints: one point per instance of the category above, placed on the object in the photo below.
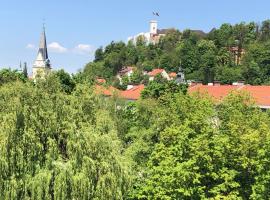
pixel 239 83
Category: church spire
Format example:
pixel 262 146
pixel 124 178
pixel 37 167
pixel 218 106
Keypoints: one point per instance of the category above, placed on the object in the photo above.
pixel 43 46
pixel 42 57
pixel 42 62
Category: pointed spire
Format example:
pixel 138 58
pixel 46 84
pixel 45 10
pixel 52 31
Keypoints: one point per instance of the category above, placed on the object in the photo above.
pixel 42 57
pixel 43 45
pixel 42 66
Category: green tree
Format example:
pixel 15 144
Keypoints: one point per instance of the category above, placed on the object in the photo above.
pixel 94 70
pixel 256 63
pixel 160 87
pixel 114 61
pixel 68 85
pixel 253 74
pixel 224 57
pixel 228 75
pixel 189 56
pixel 265 30
pixel 136 77
pixel 25 73
pixel 196 150
pixel 223 37
pixel 131 54
pixel 170 40
pixel 99 54
pixel 208 62
pixel 8 75
pixel 58 146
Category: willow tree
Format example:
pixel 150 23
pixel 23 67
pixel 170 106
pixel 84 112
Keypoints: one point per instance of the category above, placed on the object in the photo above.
pixel 58 146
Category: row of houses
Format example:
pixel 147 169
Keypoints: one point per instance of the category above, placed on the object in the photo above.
pixel 260 94
pixel 128 71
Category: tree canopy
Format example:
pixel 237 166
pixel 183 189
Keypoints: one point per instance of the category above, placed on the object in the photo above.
pixel 74 144
pixel 58 146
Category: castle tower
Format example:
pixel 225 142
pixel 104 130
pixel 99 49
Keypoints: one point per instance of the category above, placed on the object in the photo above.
pixel 153 27
pixel 42 65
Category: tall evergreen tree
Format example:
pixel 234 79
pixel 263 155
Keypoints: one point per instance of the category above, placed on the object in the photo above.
pixel 25 73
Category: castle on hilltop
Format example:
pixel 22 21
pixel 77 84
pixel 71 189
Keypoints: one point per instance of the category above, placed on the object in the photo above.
pixel 42 65
pixel 153 36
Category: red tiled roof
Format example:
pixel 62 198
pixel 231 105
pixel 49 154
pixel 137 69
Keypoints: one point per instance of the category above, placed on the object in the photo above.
pixel 101 80
pixel 172 74
pixel 261 94
pixel 133 93
pixel 106 91
pixel 217 91
pixel 155 72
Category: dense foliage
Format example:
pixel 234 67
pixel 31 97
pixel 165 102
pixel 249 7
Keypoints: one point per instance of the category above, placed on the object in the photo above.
pixel 192 149
pixel 204 57
pixel 58 146
pixel 72 144
pixel 160 86
pixel 8 75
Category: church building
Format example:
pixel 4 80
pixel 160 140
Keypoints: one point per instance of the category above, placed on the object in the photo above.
pixel 42 66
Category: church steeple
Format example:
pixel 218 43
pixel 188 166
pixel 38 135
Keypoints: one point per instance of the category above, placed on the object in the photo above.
pixel 43 45
pixel 42 63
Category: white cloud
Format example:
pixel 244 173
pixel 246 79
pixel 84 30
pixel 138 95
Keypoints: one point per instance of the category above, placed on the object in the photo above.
pixel 84 49
pixel 56 47
pixel 30 46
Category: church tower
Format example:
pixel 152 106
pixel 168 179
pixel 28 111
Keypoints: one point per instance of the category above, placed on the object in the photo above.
pixel 42 65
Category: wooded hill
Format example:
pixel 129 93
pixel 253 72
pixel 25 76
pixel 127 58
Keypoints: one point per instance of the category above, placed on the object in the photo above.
pixel 227 54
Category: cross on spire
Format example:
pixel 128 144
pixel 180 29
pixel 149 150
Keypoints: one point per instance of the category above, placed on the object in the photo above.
pixel 43 24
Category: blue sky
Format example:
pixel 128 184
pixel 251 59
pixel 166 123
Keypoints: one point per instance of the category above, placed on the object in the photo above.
pixel 75 28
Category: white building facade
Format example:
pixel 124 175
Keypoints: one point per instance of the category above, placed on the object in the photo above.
pixel 152 36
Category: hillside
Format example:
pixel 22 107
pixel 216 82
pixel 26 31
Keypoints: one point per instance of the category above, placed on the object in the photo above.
pixel 227 54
